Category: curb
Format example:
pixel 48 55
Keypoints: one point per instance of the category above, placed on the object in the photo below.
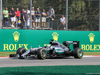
pixel 4 57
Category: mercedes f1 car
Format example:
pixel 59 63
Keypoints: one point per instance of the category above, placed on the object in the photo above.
pixel 55 49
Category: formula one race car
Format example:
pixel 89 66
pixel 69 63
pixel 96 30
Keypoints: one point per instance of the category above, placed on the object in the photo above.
pixel 55 49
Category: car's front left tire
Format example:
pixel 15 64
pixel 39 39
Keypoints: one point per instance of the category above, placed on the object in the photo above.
pixel 19 52
pixel 41 53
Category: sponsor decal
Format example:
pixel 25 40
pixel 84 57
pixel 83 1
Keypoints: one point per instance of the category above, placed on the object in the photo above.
pixel 91 46
pixel 11 47
pixel 55 36
pixel 91 37
pixel 16 36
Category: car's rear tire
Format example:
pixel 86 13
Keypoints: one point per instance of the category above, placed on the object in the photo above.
pixel 19 52
pixel 78 53
pixel 41 53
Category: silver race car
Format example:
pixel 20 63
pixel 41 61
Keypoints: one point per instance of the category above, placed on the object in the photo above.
pixel 55 49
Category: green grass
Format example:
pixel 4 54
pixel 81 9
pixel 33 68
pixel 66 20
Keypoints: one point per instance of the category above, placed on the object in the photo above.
pixel 91 53
pixel 51 70
pixel 5 54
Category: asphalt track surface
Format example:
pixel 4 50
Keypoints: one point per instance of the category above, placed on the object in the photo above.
pixel 13 62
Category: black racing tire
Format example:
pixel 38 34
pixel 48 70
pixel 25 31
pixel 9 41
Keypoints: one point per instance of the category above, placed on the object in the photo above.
pixel 78 53
pixel 41 53
pixel 19 52
pixel 12 55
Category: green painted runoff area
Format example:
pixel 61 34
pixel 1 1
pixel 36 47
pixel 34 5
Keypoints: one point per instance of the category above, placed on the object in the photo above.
pixel 51 70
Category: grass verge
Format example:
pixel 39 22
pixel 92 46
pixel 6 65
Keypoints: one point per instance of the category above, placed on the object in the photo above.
pixel 6 54
pixel 91 53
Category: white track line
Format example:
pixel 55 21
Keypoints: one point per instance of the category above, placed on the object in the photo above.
pixel 91 56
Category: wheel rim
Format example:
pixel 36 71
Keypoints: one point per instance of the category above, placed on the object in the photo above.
pixel 43 53
pixel 80 53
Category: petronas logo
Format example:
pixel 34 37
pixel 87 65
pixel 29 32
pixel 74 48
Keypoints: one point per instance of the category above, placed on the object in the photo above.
pixel 55 36
pixel 16 36
pixel 91 37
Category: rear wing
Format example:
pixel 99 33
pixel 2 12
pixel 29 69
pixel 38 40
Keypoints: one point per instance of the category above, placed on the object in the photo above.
pixel 75 43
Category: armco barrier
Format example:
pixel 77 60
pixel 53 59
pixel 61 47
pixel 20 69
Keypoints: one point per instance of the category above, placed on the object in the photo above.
pixel 11 40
